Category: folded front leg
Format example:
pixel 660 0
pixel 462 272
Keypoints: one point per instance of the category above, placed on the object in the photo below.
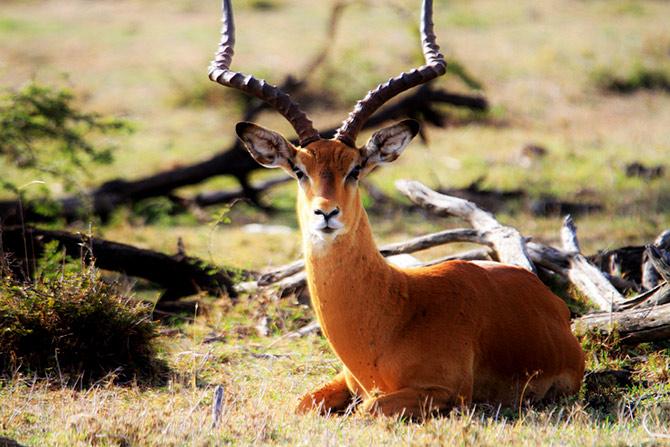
pixel 333 397
pixel 415 403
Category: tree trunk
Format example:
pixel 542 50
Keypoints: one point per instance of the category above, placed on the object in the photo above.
pixel 179 275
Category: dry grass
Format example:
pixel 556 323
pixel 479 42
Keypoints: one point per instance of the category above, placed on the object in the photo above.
pixel 262 379
pixel 146 61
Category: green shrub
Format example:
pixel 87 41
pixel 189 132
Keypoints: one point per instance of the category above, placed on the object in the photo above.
pixel 639 77
pixel 43 132
pixel 75 326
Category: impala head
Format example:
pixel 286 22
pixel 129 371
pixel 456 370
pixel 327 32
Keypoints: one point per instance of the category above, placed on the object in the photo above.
pixel 327 171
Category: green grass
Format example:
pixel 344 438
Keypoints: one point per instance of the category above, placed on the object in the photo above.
pixel 146 62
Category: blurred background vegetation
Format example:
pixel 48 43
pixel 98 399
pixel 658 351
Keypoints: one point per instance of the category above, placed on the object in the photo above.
pixel 586 80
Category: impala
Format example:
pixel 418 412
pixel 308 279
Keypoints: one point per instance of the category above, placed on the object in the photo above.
pixel 410 339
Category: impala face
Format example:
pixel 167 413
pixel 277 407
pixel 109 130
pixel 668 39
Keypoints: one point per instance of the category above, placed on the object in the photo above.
pixel 327 171
pixel 327 175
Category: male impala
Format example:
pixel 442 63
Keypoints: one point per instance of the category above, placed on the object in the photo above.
pixel 412 338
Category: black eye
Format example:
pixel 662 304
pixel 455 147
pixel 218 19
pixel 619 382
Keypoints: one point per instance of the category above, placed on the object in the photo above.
pixel 298 173
pixel 355 173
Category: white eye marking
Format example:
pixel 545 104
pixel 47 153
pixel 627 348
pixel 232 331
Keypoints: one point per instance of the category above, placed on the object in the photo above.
pixel 300 172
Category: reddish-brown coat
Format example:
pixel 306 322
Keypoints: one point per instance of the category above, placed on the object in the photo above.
pixel 441 336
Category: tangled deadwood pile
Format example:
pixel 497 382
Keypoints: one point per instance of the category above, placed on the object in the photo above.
pixel 604 279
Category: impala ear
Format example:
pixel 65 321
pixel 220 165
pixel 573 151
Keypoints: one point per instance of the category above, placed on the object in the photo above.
pixel 267 147
pixel 387 144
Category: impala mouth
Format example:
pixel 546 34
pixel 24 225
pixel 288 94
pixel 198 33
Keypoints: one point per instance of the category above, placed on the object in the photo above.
pixel 327 231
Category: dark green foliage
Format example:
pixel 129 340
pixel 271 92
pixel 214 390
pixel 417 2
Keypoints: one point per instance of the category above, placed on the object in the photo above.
pixel 456 68
pixel 73 325
pixel 155 210
pixel 640 77
pixel 42 130
pixel 263 4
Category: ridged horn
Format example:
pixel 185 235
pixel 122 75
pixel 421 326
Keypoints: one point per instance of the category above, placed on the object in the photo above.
pixel 219 71
pixel 435 66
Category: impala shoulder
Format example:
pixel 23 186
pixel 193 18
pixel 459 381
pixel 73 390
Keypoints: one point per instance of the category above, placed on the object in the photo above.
pixel 448 277
pixel 454 268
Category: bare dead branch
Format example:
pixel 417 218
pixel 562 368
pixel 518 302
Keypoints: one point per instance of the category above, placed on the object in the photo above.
pixel 588 279
pixel 507 242
pixel 432 240
pixel 210 198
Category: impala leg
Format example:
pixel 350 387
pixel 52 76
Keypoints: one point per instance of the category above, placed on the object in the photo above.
pixel 333 397
pixel 415 403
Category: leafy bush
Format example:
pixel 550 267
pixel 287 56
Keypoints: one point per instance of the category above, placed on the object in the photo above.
pixel 42 131
pixel 75 326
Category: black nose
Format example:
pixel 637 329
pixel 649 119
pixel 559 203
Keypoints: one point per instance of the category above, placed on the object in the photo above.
pixel 327 215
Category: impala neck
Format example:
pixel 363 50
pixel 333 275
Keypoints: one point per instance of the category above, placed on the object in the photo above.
pixel 334 267
pixel 350 283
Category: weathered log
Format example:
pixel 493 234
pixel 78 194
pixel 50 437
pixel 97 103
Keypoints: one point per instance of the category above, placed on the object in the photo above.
pixel 624 262
pixel 630 262
pixel 557 261
pixel 660 293
pixel 280 273
pixel 431 240
pixel 588 279
pixel 205 199
pixel 634 326
pixel 650 275
pixel 179 275
pixel 507 242
pixel 548 257
pixel 652 297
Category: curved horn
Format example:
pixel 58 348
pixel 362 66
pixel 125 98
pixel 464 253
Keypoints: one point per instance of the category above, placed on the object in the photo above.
pixel 435 66
pixel 219 71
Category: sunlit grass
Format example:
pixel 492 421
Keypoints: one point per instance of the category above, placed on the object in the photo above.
pixel 262 379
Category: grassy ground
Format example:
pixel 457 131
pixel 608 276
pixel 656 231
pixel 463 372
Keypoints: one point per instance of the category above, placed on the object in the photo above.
pixel 262 378
pixel 542 65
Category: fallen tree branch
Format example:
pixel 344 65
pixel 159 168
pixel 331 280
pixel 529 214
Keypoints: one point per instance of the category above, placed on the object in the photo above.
pixel 507 242
pixel 205 199
pixel 659 294
pixel 431 240
pixel 588 279
pixel 179 275
pixel 650 275
pixel 633 326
